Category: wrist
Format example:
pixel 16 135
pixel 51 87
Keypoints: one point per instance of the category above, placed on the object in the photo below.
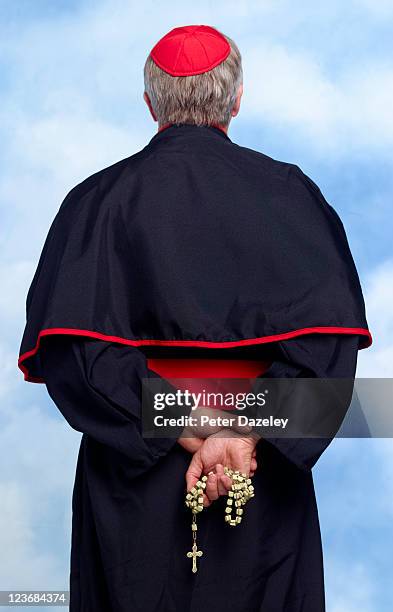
pixel 252 438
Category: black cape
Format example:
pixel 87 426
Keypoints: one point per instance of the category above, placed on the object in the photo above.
pixel 194 243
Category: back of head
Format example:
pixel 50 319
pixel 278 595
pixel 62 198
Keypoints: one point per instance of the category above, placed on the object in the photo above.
pixel 192 75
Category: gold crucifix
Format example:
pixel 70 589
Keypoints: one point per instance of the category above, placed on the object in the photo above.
pixel 194 554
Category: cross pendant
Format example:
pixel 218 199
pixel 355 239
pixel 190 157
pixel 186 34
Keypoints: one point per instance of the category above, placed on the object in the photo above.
pixel 194 554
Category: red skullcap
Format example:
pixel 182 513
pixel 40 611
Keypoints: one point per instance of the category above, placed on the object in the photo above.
pixel 190 50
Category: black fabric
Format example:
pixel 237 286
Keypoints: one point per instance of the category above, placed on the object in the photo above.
pixel 130 529
pixel 101 392
pixel 193 239
pixel 314 357
pixel 200 241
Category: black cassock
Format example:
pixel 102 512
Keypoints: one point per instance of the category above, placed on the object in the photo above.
pixel 193 244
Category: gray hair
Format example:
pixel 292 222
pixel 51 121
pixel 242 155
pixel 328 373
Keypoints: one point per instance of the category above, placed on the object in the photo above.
pixel 201 99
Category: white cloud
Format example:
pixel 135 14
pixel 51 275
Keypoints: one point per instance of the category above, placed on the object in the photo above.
pixel 377 361
pixel 69 146
pixel 354 484
pixel 378 8
pixel 384 451
pixel 350 588
pixel 14 276
pixel 8 380
pixel 23 564
pixel 38 446
pixel 291 90
pixel 38 453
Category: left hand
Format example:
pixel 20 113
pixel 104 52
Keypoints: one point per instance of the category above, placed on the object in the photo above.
pixel 193 435
pixel 223 448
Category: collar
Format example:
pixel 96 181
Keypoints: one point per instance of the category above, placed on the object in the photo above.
pixel 170 129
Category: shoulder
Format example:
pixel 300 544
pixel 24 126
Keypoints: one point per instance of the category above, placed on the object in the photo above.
pixel 297 187
pixel 102 183
pixel 266 165
pixel 298 184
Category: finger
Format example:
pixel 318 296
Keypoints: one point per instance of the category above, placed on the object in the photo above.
pixel 220 472
pixel 206 501
pixel 211 487
pixel 241 461
pixel 253 464
pixel 226 484
pixel 194 471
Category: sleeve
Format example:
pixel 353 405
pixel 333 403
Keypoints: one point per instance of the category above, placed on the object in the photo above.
pixel 313 356
pixel 97 387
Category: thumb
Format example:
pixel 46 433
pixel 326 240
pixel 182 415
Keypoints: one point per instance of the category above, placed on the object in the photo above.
pixel 194 471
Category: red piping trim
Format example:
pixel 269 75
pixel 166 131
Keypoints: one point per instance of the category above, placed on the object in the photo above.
pixel 196 343
pixel 164 127
pixel 219 127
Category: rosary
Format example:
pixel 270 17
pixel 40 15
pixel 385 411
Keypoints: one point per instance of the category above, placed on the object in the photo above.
pixel 239 494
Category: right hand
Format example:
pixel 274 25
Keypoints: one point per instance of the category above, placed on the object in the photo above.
pixel 228 448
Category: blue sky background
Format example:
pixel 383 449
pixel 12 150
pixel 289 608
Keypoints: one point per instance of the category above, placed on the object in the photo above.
pixel 318 81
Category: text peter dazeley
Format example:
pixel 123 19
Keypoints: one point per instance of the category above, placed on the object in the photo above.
pixel 205 420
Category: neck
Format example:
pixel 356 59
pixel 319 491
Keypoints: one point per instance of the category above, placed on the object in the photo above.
pixel 223 128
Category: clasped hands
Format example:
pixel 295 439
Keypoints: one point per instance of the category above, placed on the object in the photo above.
pixel 214 447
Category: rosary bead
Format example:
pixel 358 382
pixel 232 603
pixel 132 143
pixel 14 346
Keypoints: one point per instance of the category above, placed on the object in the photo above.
pixel 238 495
